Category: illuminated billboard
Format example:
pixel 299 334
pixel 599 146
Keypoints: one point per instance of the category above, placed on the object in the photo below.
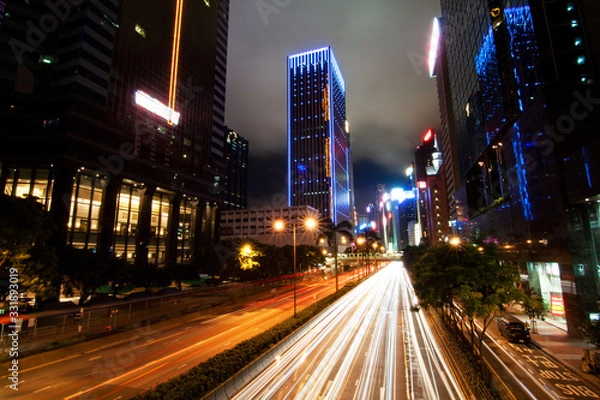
pixel 156 107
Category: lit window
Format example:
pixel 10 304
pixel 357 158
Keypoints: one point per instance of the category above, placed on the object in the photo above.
pixel 570 6
pixel 574 24
pixel 578 41
pixel 580 60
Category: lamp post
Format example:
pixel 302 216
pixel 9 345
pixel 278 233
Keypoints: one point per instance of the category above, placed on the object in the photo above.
pixel 359 242
pixel 309 224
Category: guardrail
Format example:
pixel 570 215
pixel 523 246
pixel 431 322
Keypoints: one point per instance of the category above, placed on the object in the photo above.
pixel 40 330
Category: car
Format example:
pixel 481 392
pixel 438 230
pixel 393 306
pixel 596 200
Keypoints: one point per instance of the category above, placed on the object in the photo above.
pixel 513 329
pixel 415 307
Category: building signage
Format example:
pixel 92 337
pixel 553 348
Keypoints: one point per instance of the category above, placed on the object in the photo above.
pixel 156 107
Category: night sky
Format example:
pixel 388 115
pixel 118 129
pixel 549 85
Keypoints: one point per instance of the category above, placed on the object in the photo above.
pixel 381 47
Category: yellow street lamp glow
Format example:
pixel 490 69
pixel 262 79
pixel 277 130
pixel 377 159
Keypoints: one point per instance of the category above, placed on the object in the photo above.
pixel 455 241
pixel 279 225
pixel 247 250
pixel 360 241
pixel 310 223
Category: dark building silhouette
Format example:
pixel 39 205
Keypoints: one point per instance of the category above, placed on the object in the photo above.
pixel 235 185
pixel 112 116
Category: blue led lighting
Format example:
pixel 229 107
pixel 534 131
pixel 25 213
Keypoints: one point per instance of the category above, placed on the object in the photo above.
pixel 524 53
pixel 587 168
pixel 521 171
pixel 303 70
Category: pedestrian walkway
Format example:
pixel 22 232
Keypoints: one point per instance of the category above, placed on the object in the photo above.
pixel 552 338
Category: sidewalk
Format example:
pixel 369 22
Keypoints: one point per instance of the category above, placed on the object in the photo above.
pixel 553 339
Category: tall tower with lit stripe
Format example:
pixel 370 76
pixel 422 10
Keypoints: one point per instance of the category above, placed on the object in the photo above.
pixel 319 157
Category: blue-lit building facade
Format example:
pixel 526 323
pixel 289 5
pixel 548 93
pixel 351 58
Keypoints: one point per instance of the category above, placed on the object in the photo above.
pixel 521 107
pixel 319 156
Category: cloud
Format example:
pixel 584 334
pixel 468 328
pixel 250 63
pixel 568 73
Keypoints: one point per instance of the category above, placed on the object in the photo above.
pixel 390 98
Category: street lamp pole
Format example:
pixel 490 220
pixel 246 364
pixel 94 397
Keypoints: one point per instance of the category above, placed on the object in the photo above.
pixel 279 225
pixel 294 236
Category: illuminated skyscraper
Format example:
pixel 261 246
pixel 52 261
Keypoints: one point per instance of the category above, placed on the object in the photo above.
pixel 319 157
pixel 516 82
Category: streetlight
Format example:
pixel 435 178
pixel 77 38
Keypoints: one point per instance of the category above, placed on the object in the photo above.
pixel 279 225
pixel 455 241
pixel 375 248
pixel 359 242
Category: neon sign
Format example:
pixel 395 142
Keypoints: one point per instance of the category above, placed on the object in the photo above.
pixel 428 136
pixel 433 46
pixel 156 107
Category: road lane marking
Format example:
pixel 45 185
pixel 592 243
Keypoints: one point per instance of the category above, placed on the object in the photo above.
pixel 95 358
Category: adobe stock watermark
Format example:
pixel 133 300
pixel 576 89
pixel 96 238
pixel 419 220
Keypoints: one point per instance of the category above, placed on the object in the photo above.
pixel 36 35
pixel 582 107
pixel 266 8
pixel 13 328
pixel 112 367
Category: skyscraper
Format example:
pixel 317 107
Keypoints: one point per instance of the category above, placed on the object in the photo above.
pixel 235 184
pixel 518 83
pixel 111 111
pixel 319 157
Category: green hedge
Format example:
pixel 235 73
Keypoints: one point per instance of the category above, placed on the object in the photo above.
pixel 208 375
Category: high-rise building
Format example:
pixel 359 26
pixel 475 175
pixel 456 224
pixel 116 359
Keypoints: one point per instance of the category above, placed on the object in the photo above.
pixel 111 114
pixel 519 86
pixel 235 184
pixel 450 170
pixel 319 157
pixel 432 212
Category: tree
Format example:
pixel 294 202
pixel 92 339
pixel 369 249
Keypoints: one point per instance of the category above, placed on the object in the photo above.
pixel 533 304
pixel 85 271
pixel 247 254
pixel 331 232
pixel 468 281
pixel 25 226
pixel 591 332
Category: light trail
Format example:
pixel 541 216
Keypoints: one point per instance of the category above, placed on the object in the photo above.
pixel 351 350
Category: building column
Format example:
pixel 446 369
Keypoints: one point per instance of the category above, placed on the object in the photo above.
pixel 61 202
pixel 106 237
pixel 143 225
pixel 204 234
pixel 171 242
pixel 3 175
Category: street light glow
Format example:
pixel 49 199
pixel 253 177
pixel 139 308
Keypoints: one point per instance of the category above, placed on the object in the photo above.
pixel 455 241
pixel 279 225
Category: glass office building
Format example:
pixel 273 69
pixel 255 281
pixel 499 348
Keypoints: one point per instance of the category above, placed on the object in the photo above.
pixel 112 117
pixel 319 157
pixel 520 92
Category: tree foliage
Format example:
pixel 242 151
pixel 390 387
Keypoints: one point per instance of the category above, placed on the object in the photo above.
pixel 25 226
pixel 468 280
pixel 591 332
pixel 331 231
